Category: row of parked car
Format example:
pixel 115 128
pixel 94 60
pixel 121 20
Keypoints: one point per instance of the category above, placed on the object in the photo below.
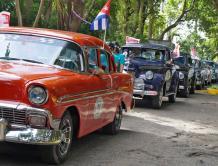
pixel 158 74
pixel 57 86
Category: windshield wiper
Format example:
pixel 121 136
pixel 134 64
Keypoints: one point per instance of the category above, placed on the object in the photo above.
pixel 33 61
pixel 17 59
pixel 9 58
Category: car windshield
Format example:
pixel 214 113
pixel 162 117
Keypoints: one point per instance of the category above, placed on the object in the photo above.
pixel 146 54
pixel 180 60
pixel 29 48
pixel 211 64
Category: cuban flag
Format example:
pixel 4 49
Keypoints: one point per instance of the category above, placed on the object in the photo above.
pixel 101 22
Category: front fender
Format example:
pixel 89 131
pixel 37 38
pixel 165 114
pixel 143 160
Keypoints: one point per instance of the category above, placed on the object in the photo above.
pixel 157 81
pixel 174 81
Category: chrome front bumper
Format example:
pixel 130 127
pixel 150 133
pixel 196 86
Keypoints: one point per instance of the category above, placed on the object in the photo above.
pixel 29 135
pixel 10 131
pixel 145 93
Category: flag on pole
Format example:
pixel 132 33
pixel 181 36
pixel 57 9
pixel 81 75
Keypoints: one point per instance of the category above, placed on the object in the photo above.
pixel 176 51
pixel 4 19
pixel 101 22
pixel 194 53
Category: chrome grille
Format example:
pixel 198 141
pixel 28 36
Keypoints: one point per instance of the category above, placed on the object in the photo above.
pixel 13 116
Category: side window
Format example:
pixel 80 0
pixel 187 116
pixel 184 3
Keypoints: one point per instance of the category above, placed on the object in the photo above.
pixel 92 57
pixel 104 61
pixel 70 58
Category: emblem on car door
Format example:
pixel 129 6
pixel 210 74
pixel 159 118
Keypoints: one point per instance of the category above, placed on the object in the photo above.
pixel 98 107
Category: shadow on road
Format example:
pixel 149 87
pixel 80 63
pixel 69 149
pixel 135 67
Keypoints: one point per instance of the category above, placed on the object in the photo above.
pixel 18 154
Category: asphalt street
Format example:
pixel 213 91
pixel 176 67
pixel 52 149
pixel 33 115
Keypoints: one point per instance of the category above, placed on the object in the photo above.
pixel 180 134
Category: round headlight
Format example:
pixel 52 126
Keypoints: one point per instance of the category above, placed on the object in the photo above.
pixel 181 75
pixel 149 75
pixel 37 95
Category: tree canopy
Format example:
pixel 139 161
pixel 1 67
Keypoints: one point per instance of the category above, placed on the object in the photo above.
pixel 144 19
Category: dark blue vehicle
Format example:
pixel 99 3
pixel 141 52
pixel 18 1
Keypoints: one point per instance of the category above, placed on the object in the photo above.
pixel 186 74
pixel 154 71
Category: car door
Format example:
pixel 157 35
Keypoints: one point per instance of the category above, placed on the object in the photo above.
pixel 106 65
pixel 100 99
pixel 168 70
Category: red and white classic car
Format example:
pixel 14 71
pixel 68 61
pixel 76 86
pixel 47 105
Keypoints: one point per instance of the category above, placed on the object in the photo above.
pixel 56 86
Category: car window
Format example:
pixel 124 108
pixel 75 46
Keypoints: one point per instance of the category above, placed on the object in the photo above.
pixel 70 58
pixel 104 61
pixel 29 47
pixel 92 57
pixel 180 60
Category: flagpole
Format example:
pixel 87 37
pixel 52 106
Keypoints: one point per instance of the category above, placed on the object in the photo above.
pixel 105 33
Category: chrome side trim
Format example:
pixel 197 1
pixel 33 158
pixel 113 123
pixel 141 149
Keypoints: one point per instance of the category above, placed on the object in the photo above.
pixel 86 97
pixel 61 99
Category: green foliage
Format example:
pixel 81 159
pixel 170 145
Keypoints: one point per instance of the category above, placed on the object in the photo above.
pixel 214 87
pixel 144 19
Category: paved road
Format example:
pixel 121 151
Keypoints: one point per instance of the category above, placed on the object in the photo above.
pixel 180 134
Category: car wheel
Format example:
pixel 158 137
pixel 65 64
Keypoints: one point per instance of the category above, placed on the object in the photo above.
pixel 114 127
pixel 193 86
pixel 172 98
pixel 186 93
pixel 157 100
pixel 57 154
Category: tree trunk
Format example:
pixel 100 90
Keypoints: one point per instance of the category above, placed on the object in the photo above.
pixel 179 19
pixel 47 13
pixel 78 6
pixel 150 28
pixel 126 16
pixel 18 13
pixel 216 4
pixel 141 18
pixel 35 24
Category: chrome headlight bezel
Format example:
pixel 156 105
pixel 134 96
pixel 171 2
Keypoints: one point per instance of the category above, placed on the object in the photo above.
pixel 37 95
pixel 139 83
pixel 181 75
pixel 149 75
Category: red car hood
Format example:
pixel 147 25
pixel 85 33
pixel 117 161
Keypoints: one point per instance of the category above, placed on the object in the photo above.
pixel 15 75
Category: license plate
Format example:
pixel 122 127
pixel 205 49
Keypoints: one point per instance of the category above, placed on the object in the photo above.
pixel 3 126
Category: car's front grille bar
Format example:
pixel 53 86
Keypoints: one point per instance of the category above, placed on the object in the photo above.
pixel 13 116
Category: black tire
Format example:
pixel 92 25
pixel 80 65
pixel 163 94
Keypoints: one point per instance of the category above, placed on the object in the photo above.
pixel 57 154
pixel 172 98
pixel 186 93
pixel 193 86
pixel 158 100
pixel 114 127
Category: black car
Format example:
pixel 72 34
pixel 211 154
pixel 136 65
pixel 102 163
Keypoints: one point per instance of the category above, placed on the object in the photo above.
pixel 212 69
pixel 200 73
pixel 186 74
pixel 216 72
pixel 154 71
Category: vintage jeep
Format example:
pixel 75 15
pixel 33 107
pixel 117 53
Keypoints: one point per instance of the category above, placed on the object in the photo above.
pixel 56 86
pixel 154 71
pixel 186 74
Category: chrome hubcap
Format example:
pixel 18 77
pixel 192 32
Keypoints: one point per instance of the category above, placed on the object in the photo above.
pixel 66 137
